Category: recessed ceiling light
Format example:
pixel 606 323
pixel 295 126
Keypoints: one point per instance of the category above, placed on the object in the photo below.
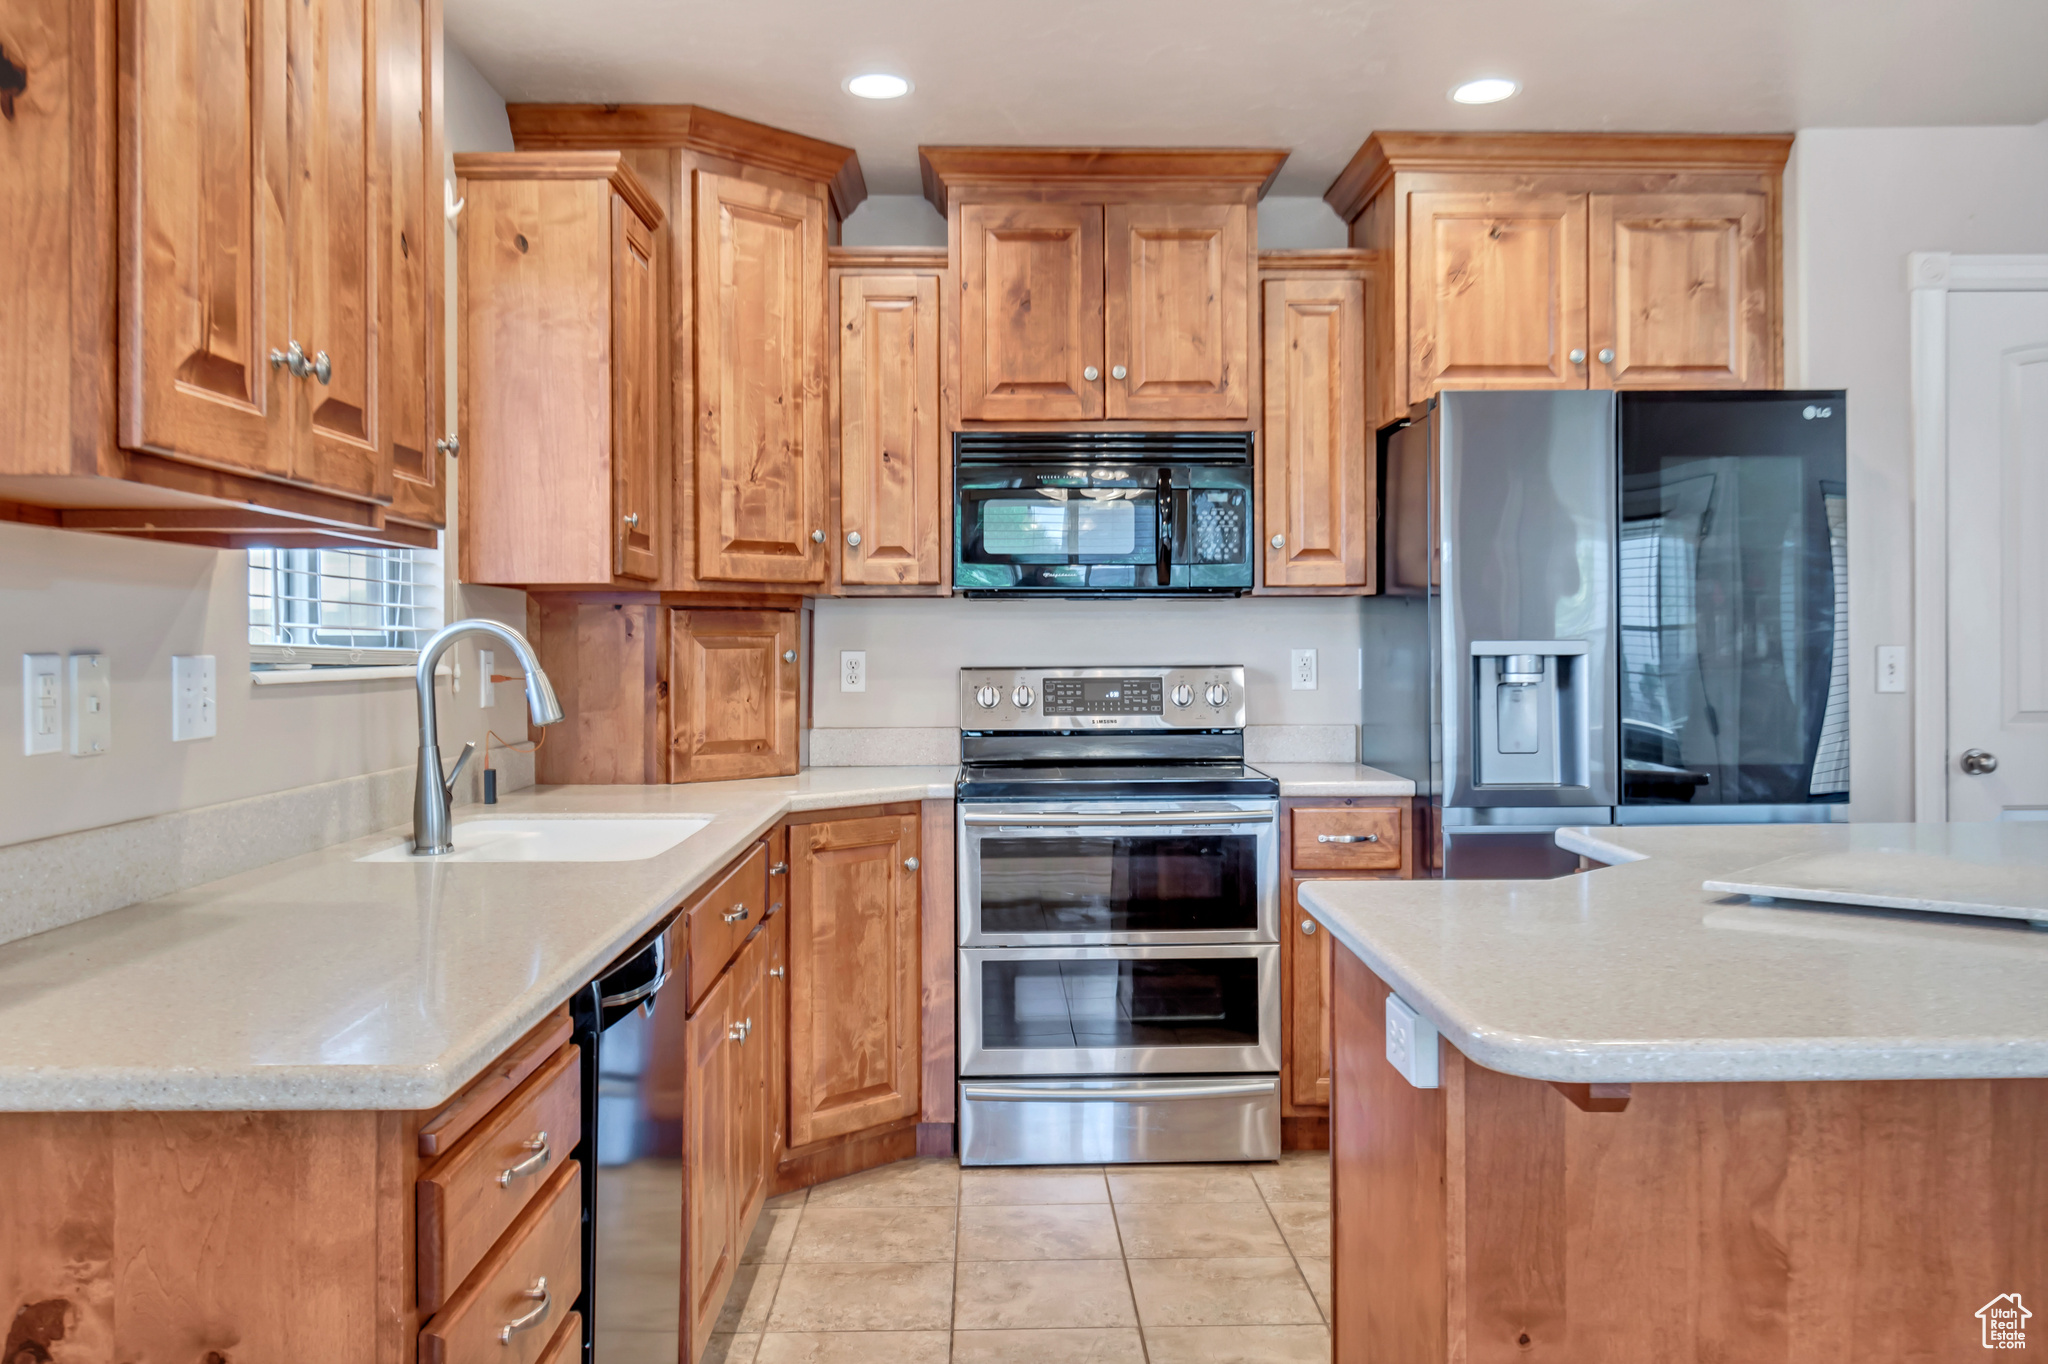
pixel 878 86
pixel 1487 90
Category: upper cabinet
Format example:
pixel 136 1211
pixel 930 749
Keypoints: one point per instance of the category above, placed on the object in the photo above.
pixel 560 370
pixel 1099 284
pixel 1538 260
pixel 261 191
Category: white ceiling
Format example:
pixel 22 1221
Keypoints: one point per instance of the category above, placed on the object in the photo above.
pixel 1312 75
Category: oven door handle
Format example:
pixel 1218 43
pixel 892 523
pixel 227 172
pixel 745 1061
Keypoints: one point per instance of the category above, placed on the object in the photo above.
pixel 1221 1089
pixel 1134 817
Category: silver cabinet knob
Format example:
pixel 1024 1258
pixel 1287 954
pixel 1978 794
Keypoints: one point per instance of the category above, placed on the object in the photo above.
pixel 910 864
pixel 1279 542
pixel 1117 371
pixel 1183 696
pixel 1091 374
pixel 449 445
pixel 1308 926
pixel 779 869
pixel 987 697
pixel 789 655
pixel 1577 357
pixel 1217 693
pixel 323 368
pixel 778 972
pixel 1978 763
pixel 1023 697
pixel 853 539
pixel 632 519
pixel 1606 355
pixel 817 537
pixel 293 358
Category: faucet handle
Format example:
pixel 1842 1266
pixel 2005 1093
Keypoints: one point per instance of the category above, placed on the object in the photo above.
pixel 448 784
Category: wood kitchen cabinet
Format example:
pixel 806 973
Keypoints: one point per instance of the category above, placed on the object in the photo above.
pixel 564 476
pixel 732 680
pixel 1031 312
pixel 1177 310
pixel 711 1134
pixel 265 191
pixel 894 472
pixel 1540 260
pixel 854 1021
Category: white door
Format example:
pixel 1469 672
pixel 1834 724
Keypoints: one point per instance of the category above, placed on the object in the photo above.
pixel 1998 555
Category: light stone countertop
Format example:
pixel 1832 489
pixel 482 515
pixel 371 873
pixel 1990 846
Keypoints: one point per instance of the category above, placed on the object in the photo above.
pixel 1633 973
pixel 1335 779
pixel 322 982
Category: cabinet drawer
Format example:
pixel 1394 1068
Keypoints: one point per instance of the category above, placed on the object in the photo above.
pixel 567 1346
pixel 468 1197
pixel 499 1315
pixel 1347 838
pixel 723 916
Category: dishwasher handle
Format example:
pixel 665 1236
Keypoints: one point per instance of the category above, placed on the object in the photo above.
pixel 662 971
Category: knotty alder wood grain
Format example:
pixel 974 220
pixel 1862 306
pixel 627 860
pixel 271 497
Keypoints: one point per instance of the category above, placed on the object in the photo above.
pixel 610 666
pixel 637 486
pixel 1305 1007
pixel 732 694
pixel 889 430
pixel 940 1056
pixel 1678 288
pixel 713 937
pixel 1031 312
pixel 411 327
pixel 1315 475
pixel 1497 291
pixel 711 1248
pixel 542 1253
pixel 1493 1220
pixel 1177 310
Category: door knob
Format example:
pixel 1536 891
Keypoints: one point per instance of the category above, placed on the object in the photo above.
pixel 1091 374
pixel 817 537
pixel 1577 357
pixel 1308 926
pixel 1117 372
pixel 853 539
pixel 1606 355
pixel 1978 763
pixel 1279 542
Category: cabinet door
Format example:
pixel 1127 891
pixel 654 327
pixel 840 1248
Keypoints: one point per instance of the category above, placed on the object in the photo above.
pixel 853 975
pixel 760 460
pixel 732 680
pixel 203 297
pixel 1030 312
pixel 711 1139
pixel 1177 310
pixel 636 388
pixel 411 327
pixel 774 1054
pixel 1496 291
pixel 1678 289
pixel 1318 485
pixel 750 1013
pixel 889 458
pixel 336 253
pixel 1306 1032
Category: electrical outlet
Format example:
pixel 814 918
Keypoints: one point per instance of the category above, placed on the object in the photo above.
pixel 1411 1044
pixel 1891 667
pixel 42 704
pixel 1303 669
pixel 192 697
pixel 92 705
pixel 486 690
pixel 853 670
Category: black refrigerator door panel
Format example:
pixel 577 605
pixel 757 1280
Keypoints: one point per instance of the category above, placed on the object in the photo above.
pixel 1733 571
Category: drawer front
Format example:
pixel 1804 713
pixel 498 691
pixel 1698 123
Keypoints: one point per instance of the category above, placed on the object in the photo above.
pixel 723 916
pixel 500 1315
pixel 567 1346
pixel 1347 838
pixel 468 1197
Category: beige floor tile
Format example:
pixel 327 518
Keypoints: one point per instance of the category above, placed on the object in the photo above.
pixel 873 1235
pixel 863 1297
pixel 1184 1184
pixel 748 1300
pixel 650 1347
pixel 1014 1294
pixel 1058 1231
pixel 1238 1344
pixel 1028 1187
pixel 928 1183
pixel 1299 1177
pixel 1107 1345
pixel 1317 1271
pixel 1305 1225
pixel 733 1349
pixel 772 1234
pixel 795 1198
pixel 1249 1292
pixel 1197 1231
pixel 854 1347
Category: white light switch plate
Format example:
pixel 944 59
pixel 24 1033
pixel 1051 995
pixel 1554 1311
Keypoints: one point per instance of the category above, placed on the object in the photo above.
pixel 1302 668
pixel 42 704
pixel 193 697
pixel 1411 1044
pixel 92 705
pixel 853 670
pixel 1891 667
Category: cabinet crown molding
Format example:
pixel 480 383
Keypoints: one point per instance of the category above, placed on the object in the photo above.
pixel 584 127
pixel 947 170
pixel 609 166
pixel 1384 154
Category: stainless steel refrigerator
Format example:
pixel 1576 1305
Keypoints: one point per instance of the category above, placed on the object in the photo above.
pixel 1600 608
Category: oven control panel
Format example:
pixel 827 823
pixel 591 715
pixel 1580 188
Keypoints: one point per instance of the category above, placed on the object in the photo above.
pixel 1102 698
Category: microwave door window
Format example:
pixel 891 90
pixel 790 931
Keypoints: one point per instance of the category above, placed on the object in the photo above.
pixel 1060 525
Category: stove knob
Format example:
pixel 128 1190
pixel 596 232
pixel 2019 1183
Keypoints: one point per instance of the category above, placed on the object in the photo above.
pixel 1218 693
pixel 1183 696
pixel 987 697
pixel 1023 697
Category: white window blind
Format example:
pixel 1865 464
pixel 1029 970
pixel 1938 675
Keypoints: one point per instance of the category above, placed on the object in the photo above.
pixel 345 606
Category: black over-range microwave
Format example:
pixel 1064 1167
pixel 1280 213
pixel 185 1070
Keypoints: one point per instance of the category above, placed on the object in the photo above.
pixel 1102 513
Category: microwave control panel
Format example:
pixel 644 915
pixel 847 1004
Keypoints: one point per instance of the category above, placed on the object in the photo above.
pixel 1102 698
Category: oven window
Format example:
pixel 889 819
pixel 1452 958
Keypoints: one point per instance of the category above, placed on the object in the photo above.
pixel 1191 1002
pixel 1130 883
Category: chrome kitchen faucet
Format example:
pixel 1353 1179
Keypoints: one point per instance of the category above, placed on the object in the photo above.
pixel 432 793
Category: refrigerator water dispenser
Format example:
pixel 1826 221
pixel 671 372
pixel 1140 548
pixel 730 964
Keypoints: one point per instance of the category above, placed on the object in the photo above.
pixel 1530 712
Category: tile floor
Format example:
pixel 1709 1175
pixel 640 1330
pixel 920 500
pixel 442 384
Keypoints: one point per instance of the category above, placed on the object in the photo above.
pixel 922 1262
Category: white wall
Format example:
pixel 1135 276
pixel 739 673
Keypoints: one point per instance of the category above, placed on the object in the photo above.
pixel 1286 222
pixel 1858 200
pixel 139 602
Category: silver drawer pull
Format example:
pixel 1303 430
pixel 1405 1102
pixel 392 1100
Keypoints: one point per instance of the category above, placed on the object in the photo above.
pixel 1347 838
pixel 538 1144
pixel 736 914
pixel 531 1319
pixel 779 869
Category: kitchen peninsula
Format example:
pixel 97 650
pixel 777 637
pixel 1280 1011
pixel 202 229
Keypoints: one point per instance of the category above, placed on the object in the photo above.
pixel 1677 1125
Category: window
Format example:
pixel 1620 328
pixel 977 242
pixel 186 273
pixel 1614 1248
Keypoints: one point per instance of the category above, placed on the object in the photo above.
pixel 345 606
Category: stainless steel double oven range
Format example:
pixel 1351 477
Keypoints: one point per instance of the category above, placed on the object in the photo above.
pixel 1119 984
